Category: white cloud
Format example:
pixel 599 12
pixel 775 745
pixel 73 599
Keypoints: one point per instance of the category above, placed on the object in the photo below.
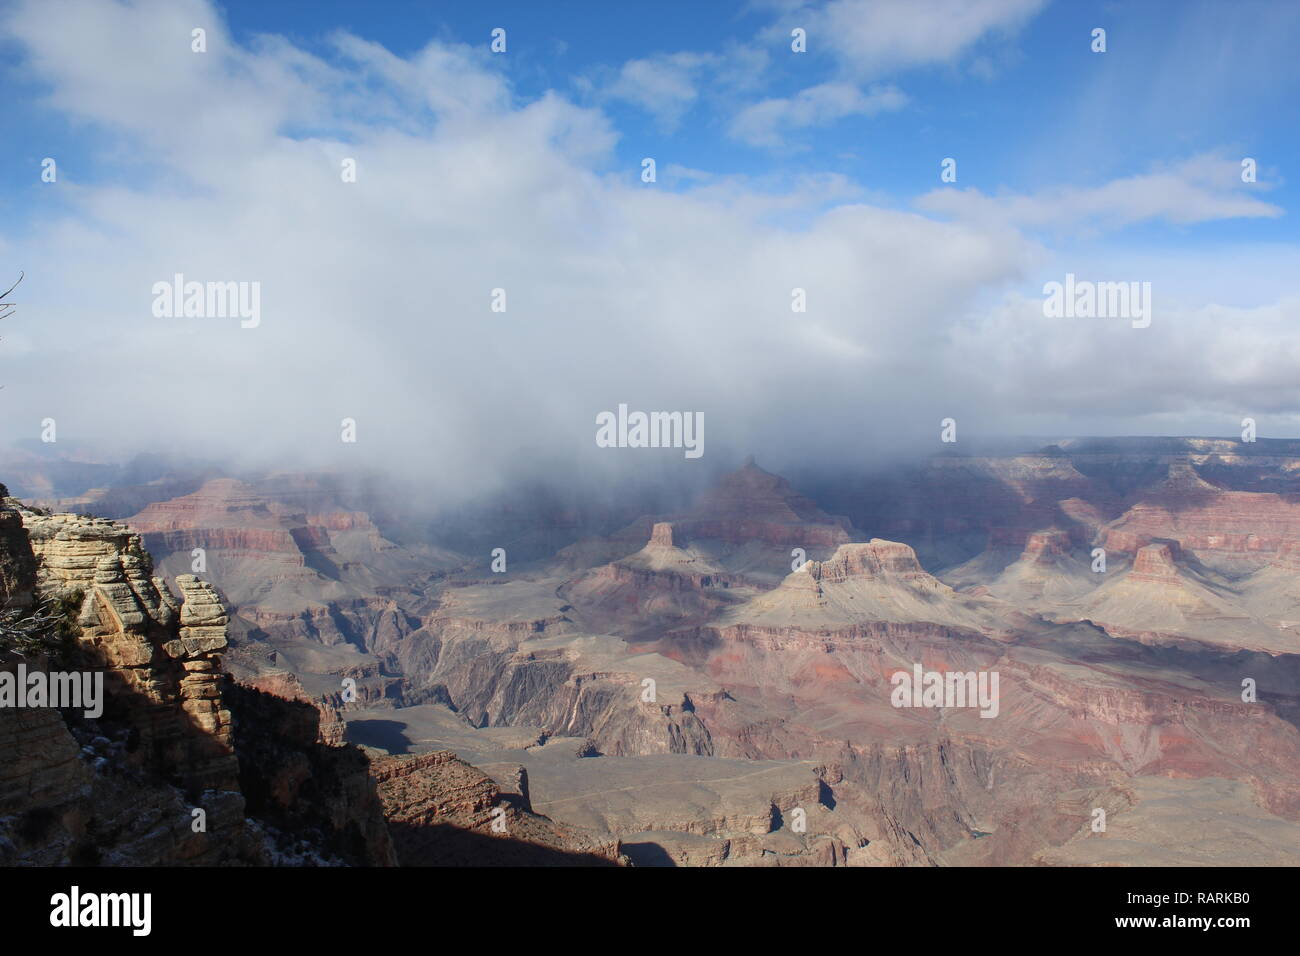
pixel 1199 189
pixel 866 40
pixel 764 123
pixel 1206 363
pixel 665 86
pixel 375 294
pixel 871 38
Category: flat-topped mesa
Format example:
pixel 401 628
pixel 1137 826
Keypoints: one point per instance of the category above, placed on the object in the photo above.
pixel 875 558
pixel 1156 562
pixel 865 584
pixel 1046 547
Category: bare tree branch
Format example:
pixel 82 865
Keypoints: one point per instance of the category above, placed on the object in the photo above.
pixel 7 308
pixel 34 628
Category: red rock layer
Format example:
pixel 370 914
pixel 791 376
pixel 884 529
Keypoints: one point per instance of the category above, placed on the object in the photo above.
pixel 872 559
pixel 1155 562
pixel 1042 547
pixel 1203 517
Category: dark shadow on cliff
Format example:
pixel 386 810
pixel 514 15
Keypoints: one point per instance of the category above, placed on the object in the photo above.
pixel 388 735
pixel 298 784
pixel 647 854
pixel 129 785
pixel 440 844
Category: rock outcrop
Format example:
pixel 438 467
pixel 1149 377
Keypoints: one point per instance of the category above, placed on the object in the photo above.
pixel 160 658
pixel 875 581
pixel 300 779
pixel 185 765
pixel 442 811
pixel 130 786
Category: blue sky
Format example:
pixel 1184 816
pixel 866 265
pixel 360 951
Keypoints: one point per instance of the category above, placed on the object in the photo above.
pixel 1177 77
pixel 818 169
pixel 1021 108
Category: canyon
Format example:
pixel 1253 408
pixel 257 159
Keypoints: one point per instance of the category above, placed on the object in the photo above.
pixel 701 678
